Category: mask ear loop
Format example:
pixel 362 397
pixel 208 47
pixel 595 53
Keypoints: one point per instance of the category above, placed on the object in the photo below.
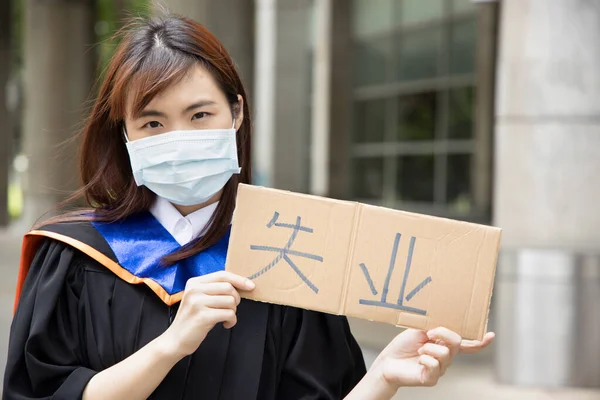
pixel 233 111
pixel 125 134
pixel 233 123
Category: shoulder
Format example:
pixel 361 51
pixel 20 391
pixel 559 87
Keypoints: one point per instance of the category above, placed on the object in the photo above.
pixel 81 236
pixel 62 248
pixel 57 254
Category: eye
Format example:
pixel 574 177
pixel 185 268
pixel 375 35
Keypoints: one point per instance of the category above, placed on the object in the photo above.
pixel 199 115
pixel 153 125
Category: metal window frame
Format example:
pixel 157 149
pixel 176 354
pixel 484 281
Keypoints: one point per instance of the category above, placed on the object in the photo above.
pixel 447 17
pixel 390 150
pixel 475 215
pixel 413 148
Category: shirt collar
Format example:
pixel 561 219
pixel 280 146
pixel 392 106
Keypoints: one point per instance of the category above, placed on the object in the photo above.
pixel 183 229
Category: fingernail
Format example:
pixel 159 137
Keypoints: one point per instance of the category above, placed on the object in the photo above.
pixel 250 284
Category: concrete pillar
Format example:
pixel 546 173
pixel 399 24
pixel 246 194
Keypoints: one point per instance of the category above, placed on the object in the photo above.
pixel 293 113
pixel 263 147
pixel 6 133
pixel 321 98
pixel 546 191
pixel 341 104
pixel 486 53
pixel 59 72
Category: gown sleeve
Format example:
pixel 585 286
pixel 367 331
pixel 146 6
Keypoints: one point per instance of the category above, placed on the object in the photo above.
pixel 322 359
pixel 44 355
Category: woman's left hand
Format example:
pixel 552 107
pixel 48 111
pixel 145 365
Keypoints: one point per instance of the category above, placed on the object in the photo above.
pixel 419 358
pixel 413 358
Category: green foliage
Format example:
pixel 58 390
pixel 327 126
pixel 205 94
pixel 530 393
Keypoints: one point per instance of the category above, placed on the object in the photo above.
pixel 111 14
pixel 15 201
pixel 109 18
pixel 18 17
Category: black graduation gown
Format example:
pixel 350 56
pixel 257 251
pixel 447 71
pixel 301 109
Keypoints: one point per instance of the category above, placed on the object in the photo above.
pixel 76 318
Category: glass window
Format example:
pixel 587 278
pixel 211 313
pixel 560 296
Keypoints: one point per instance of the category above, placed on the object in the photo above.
pixel 367 174
pixel 417 116
pixel 415 178
pixel 371 61
pixel 462 48
pixel 460 113
pixel 419 112
pixel 418 54
pixel 458 190
pixel 369 121
pixel 462 6
pixel 371 18
pixel 415 11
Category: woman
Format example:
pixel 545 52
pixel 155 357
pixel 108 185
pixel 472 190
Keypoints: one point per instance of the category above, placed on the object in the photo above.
pixel 129 300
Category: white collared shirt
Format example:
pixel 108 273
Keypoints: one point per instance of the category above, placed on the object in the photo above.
pixel 183 229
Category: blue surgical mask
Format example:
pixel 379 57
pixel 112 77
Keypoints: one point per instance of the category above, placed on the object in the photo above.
pixel 185 167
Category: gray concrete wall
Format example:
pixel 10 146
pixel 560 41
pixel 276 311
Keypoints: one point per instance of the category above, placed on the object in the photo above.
pixel 548 119
pixel 546 191
pixel 292 93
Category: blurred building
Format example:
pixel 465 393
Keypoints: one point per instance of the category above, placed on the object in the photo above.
pixel 485 111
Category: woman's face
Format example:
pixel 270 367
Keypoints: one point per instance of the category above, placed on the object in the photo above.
pixel 195 102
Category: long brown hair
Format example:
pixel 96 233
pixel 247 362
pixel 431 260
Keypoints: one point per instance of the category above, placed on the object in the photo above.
pixel 153 54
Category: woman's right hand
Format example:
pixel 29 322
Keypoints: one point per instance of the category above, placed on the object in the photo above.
pixel 207 300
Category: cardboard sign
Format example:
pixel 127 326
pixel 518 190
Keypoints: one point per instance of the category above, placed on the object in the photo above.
pixel 362 261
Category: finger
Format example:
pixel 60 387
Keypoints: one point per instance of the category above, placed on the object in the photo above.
pixel 223 276
pixel 221 302
pixel 226 316
pixel 431 370
pixel 447 338
pixel 440 353
pixel 402 372
pixel 222 288
pixel 474 346
pixel 230 321
pixel 413 338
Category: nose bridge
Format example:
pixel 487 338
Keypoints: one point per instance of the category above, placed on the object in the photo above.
pixel 179 123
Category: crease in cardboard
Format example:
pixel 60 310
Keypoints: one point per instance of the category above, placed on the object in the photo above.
pixel 445 235
pixel 468 232
pixel 490 288
pixel 350 257
pixel 466 319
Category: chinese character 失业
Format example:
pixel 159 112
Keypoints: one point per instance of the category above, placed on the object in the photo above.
pixel 285 253
pixel 401 299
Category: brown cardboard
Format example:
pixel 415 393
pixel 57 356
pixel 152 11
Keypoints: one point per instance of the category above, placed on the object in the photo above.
pixel 341 245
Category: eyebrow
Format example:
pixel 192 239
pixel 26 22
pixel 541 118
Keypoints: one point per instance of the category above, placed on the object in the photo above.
pixel 154 113
pixel 199 104
pixel 151 113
